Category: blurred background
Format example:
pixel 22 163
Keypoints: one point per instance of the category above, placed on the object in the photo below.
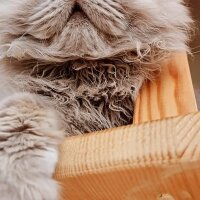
pixel 194 60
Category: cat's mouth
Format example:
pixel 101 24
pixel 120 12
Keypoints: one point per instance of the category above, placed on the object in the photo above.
pixel 77 11
pixel 76 8
pixel 101 18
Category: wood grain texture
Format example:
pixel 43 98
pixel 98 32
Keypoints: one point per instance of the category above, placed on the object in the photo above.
pixel 171 94
pixel 158 160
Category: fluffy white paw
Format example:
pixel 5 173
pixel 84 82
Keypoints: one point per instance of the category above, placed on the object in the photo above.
pixel 30 133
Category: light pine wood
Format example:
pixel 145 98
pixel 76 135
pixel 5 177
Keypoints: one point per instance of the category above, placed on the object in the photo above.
pixel 158 160
pixel 171 94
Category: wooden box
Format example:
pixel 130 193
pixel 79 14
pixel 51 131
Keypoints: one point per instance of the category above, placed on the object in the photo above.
pixel 156 158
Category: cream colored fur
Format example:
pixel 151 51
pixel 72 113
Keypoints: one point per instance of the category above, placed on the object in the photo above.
pixel 29 136
pixel 74 66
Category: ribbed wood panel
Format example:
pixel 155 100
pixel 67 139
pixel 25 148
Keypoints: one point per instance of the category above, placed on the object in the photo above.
pixel 159 160
pixel 170 95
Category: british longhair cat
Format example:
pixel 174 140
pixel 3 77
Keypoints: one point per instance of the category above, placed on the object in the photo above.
pixel 70 67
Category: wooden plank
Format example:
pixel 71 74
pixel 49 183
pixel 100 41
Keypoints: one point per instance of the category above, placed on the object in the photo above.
pixel 154 161
pixel 171 94
pixel 158 160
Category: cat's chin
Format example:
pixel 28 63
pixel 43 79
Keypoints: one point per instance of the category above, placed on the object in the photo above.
pixel 110 25
pixel 78 15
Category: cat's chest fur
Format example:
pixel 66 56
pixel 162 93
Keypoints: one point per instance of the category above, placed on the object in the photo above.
pixel 90 95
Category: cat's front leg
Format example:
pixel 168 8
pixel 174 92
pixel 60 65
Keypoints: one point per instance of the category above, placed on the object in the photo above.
pixel 30 132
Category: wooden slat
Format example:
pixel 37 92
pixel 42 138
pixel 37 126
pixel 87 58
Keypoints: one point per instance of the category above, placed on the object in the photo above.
pixel 171 94
pixel 158 160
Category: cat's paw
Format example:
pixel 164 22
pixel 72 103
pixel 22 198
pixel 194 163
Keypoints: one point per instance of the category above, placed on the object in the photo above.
pixel 29 136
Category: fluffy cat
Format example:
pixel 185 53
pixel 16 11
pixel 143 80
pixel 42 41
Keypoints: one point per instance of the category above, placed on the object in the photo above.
pixel 70 67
